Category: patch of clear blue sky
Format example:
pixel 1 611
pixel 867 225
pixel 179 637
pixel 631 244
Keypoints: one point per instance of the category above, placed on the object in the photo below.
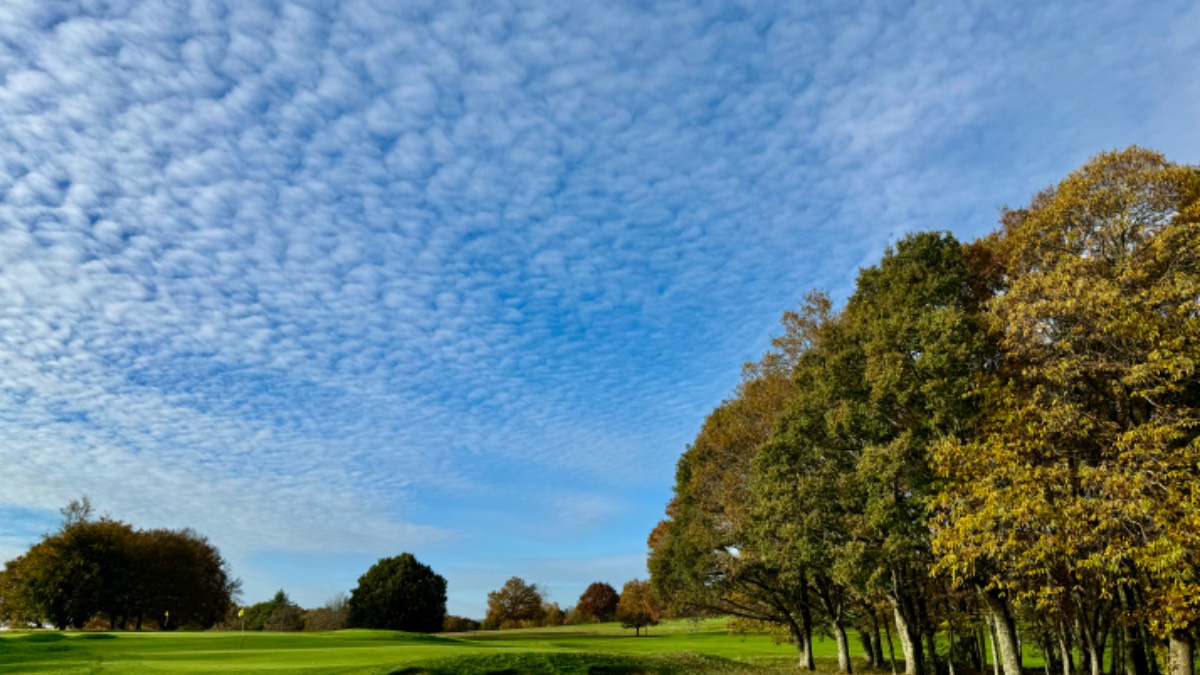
pixel 332 281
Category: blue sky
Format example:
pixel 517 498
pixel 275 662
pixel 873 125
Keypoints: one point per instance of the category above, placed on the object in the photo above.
pixel 329 281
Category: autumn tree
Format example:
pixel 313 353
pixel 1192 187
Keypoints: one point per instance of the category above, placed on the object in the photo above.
pixel 700 557
pixel 399 593
pixel 638 607
pixel 598 602
pixel 516 603
pixel 1084 485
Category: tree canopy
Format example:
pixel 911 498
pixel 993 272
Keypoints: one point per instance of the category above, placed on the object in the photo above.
pixel 101 567
pixel 987 440
pixel 516 603
pixel 399 593
pixel 598 602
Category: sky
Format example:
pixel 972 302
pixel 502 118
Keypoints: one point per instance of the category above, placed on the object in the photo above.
pixel 333 281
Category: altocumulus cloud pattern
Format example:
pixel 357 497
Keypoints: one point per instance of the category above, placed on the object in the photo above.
pixel 332 280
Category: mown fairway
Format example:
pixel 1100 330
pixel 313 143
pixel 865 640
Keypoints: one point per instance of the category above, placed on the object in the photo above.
pixel 675 647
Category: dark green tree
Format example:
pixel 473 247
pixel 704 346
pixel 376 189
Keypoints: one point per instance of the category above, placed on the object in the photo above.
pixel 399 593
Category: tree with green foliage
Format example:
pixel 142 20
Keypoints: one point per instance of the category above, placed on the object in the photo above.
pixel 399 593
pixel 102 567
pixel 638 607
pixel 838 495
pixel 598 602
pixel 700 558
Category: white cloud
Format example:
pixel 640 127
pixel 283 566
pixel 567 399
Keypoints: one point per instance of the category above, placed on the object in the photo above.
pixel 311 278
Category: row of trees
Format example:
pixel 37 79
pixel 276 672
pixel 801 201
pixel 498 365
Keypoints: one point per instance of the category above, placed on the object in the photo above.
pixel 103 568
pixel 994 442
pixel 519 604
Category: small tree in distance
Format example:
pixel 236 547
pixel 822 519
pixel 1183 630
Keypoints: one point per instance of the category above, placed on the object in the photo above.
pixel 598 602
pixel 399 594
pixel 638 607
pixel 516 603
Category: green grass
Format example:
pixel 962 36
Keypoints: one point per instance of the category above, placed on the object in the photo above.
pixel 605 649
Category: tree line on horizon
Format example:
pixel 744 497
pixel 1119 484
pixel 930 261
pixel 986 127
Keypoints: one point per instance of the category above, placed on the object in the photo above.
pixel 990 446
pixel 102 573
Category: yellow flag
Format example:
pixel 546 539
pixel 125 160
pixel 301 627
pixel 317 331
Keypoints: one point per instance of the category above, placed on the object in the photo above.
pixel 242 612
pixel 167 614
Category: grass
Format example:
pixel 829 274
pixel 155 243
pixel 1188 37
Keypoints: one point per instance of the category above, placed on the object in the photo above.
pixel 605 649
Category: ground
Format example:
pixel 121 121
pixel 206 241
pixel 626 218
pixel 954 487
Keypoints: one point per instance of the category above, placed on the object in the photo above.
pixel 604 649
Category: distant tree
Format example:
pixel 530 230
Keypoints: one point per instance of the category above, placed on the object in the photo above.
pixel 517 602
pixel 552 614
pixel 399 594
pixel 285 616
pixel 638 607
pixel 598 602
pixel 330 616
pixel 459 624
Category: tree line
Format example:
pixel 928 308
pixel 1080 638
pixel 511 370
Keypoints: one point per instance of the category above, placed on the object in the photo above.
pixel 992 443
pixel 104 570
pixel 104 573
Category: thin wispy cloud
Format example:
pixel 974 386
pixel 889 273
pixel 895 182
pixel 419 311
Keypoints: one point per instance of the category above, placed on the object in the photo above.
pixel 346 279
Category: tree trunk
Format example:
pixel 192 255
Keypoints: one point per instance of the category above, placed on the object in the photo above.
pixel 878 642
pixel 991 631
pixel 868 648
pixel 1064 653
pixel 891 648
pixel 803 643
pixel 930 636
pixel 1133 647
pixel 806 627
pixel 843 648
pixel 909 643
pixel 1179 654
pixel 1006 632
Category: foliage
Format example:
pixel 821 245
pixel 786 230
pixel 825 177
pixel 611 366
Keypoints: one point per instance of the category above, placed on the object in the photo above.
pixel 700 560
pixel 515 604
pixel 104 567
pixel 330 616
pixel 399 593
pixel 1007 425
pixel 638 607
pixel 459 624
pixel 598 602
pixel 1084 484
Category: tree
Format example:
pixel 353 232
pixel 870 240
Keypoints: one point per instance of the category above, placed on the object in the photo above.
pixel 181 572
pixel 399 594
pixel 514 604
pixel 700 557
pixel 106 568
pixel 330 616
pixel 638 607
pixel 285 615
pixel 598 602
pixel 459 624
pixel 1084 484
